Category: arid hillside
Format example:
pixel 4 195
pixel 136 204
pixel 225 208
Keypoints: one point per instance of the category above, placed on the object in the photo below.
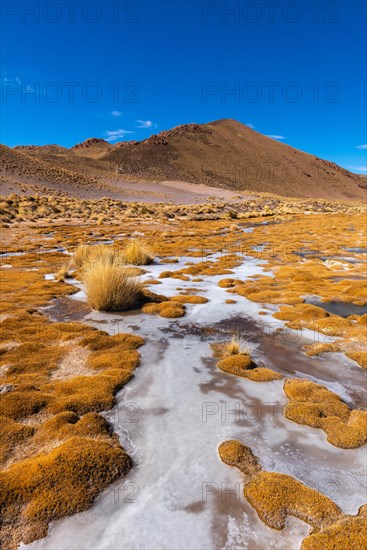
pixel 224 154
pixel 228 154
pixel 23 170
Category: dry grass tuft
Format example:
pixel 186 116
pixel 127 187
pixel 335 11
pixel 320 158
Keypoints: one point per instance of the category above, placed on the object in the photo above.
pixel 87 255
pixel 234 346
pixel 136 253
pixel 82 254
pixel 110 287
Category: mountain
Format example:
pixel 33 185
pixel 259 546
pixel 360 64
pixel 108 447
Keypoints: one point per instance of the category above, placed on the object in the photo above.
pixel 224 154
pixel 229 154
pixel 92 148
pixel 21 169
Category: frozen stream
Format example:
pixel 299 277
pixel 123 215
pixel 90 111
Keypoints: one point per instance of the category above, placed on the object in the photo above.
pixel 177 409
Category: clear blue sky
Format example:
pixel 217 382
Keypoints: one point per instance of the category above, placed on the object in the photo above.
pixel 297 69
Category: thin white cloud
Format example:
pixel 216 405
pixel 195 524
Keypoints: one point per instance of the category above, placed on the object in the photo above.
pixel 114 135
pixel 361 146
pixel 116 113
pixel 358 168
pixel 144 123
pixel 15 80
pixel 274 136
pixel 250 125
pixel 19 82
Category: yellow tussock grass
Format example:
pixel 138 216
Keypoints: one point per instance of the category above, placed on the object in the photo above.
pixel 136 253
pixel 110 288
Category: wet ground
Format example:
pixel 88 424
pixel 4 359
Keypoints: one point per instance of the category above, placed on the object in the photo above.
pixel 343 309
pixel 179 407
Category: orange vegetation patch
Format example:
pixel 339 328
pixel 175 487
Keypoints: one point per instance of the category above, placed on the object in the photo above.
pixel 174 275
pixel 234 453
pixel 359 357
pixel 64 481
pixel 276 496
pixel 49 423
pixel 165 309
pixel 137 253
pixel 318 407
pixel 229 283
pixel 55 377
pixel 189 299
pixel 349 532
pixel 242 365
pixel 21 289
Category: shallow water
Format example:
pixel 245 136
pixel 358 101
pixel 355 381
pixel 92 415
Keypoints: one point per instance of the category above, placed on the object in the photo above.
pixel 343 309
pixel 33 251
pixel 317 255
pixel 357 250
pixel 179 407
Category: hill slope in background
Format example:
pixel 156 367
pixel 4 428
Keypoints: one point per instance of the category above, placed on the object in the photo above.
pixel 18 165
pixel 92 148
pixel 224 154
pixel 231 155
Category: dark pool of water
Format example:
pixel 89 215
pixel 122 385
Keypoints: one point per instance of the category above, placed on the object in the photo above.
pixel 357 250
pixel 280 350
pixel 343 309
pixel 314 254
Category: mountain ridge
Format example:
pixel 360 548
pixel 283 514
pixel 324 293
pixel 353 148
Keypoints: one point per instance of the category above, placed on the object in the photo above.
pixel 224 153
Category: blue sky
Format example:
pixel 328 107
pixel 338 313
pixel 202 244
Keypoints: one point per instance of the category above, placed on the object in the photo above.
pixel 124 70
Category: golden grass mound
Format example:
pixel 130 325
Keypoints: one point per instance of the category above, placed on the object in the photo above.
pixel 189 299
pixel 313 405
pixel 351 334
pixel 56 452
pixel 359 356
pixel 229 283
pixel 110 287
pixel 262 374
pixel 241 364
pixel 234 453
pixel 236 364
pixel 173 275
pixel 348 533
pixel 60 483
pixel 276 496
pixel 168 309
pixel 136 253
